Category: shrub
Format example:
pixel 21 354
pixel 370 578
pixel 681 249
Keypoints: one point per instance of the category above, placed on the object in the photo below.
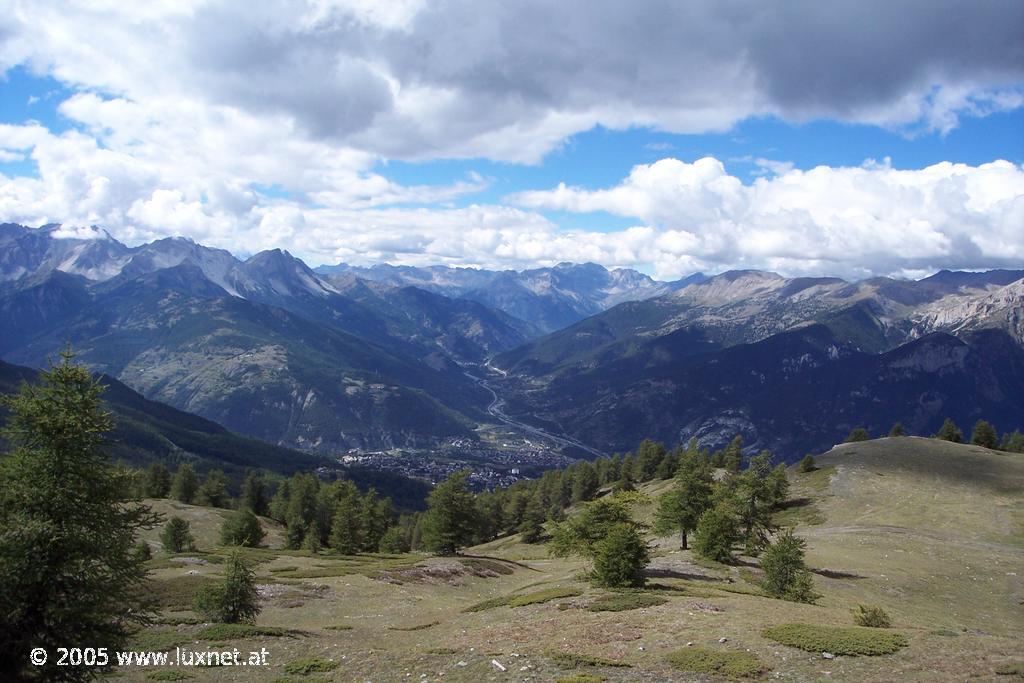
pixel 177 536
pixel 785 574
pixel 242 528
pixel 851 640
pixel 581 678
pixel 874 617
pixel 620 558
pixel 950 432
pixel 897 430
pixel 234 598
pixel 808 464
pixel 621 602
pixel 723 662
pixel 490 603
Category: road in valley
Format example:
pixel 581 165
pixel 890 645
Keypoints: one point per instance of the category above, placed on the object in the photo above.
pixel 495 411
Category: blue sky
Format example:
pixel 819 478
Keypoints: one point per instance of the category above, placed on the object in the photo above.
pixel 429 133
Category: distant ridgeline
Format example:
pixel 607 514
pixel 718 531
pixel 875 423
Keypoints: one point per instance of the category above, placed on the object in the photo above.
pixel 148 431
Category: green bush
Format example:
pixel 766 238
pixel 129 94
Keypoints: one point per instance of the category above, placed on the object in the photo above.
pixel 620 558
pixel 717 531
pixel 727 663
pixel 490 603
pixel 874 617
pixel 233 599
pixel 808 464
pixel 858 434
pixel 851 640
pixel 621 602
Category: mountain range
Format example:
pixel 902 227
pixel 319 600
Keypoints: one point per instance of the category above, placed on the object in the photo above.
pixel 345 357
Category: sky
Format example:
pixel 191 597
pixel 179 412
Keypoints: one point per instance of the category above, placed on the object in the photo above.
pixel 807 138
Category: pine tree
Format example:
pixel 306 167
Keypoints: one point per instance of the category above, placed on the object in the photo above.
pixel 254 494
pixel 158 481
pixel 242 528
pixel 394 542
pixel 450 523
pixel 984 435
pixel 620 558
pixel 580 534
pixel 732 457
pixel 950 432
pixel 346 531
pixel 185 485
pixel 785 574
pixel 1013 442
pixel 68 571
pixel 279 503
pixel 214 491
pixel 584 482
pixel 808 464
pixel 176 536
pixel 717 531
pixel 649 455
pixel 532 526
pixel 897 430
pixel 680 508
pixel 858 434
pixel 777 483
pixel 234 599
pixel 754 502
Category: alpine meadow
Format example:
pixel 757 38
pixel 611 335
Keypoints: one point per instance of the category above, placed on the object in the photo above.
pixel 570 342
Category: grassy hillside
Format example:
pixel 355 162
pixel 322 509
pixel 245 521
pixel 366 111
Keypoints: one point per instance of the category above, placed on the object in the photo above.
pixel 931 531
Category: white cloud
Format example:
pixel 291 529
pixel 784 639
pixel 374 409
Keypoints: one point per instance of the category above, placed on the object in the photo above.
pixel 822 221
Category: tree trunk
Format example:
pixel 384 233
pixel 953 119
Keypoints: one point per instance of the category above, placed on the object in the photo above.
pixel 684 539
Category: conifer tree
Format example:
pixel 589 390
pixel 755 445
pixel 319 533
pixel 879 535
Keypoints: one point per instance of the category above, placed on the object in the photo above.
pixel 620 558
pixel 680 508
pixel 808 464
pixel 214 491
pixel 785 574
pixel 897 430
pixel 717 531
pixel 584 482
pixel 69 575
pixel 346 528
pixel 950 432
pixel 984 435
pixel 532 526
pixel 185 484
pixel 234 599
pixel 242 528
pixel 158 481
pixel 449 523
pixel 858 434
pixel 254 494
pixel 177 536
pixel 732 457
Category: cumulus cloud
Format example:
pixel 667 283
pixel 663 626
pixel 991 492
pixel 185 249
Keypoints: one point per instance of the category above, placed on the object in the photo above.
pixel 847 221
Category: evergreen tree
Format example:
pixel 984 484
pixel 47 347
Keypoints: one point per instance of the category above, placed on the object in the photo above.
pixel 301 513
pixel 950 432
pixel 142 552
pixel 649 455
pixel 754 502
pixel 185 485
pixel 808 464
pixel 717 531
pixel 584 482
pixel 242 528
pixel 620 558
pixel 279 503
pixel 176 536
pixel 785 574
pixel 394 542
pixel 680 508
pixel 311 541
pixel 346 528
pixel 158 481
pixel 532 526
pixel 669 464
pixel 234 599
pixel 614 469
pixel 580 534
pixel 1013 442
pixel 858 434
pixel 732 457
pixel 214 491
pixel 254 494
pixel 777 484
pixel 897 430
pixel 449 523
pixel 984 435
pixel 68 571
